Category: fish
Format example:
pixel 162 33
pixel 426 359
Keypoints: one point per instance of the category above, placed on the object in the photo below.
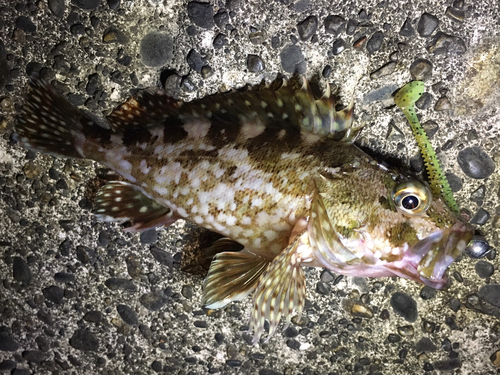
pixel 272 169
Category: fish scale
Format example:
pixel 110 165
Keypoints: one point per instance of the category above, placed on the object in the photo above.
pixel 270 168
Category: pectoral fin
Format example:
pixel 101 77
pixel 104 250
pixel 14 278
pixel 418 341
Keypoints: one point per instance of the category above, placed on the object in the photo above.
pixel 121 201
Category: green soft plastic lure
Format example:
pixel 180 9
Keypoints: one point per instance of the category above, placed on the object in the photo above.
pixel 405 99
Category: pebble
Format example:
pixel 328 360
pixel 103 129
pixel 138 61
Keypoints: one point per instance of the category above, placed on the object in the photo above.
pixel 292 59
pixel 495 358
pixel 85 340
pixel 220 41
pixel 351 27
pixel 455 14
pixel 20 270
pixel 375 42
pixel 7 342
pixel 113 35
pixel 322 289
pixel 153 301
pixel 24 23
pixel 63 277
pixel 475 163
pixel 406 331
pixel 93 316
pixel 455 304
pixel 113 4
pixel 162 257
pixel 484 269
pixel 255 64
pixel 7 365
pixel 338 47
pixel 446 44
pixel 427 293
pixel 201 14
pixel 407 29
pixel 200 324
pixel 293 344
pixel 156 49
pixel 334 24
pixel 443 104
pixel 196 61
pixel 291 332
pixel 221 19
pixel 456 183
pixel 326 276
pixel 427 24
pixel 425 345
pixel 478 247
pixel 134 266
pixel 384 70
pixel 307 28
pixel 35 356
pixel 421 69
pixel 405 306
pixel 490 294
pixel 54 294
pixel 127 314
pixel 481 217
pixel 360 42
pixel 116 283
pixel 424 101
pixel 57 7
pixel 149 236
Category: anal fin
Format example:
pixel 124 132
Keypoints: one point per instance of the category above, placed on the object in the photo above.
pixel 231 277
pixel 121 201
pixel 281 288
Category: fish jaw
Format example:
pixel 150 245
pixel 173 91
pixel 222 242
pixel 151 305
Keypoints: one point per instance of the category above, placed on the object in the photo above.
pixel 424 261
pixel 429 259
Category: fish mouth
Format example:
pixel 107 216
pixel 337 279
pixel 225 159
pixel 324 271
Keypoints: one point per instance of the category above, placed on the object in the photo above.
pixel 431 256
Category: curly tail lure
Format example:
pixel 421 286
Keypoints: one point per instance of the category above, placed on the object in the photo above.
pixel 405 99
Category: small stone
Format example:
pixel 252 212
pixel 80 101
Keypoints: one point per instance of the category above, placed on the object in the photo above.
pixel 233 363
pixel 113 4
pixel 187 291
pixel 478 247
pixel 454 14
pixel 334 24
pixel 406 331
pixel 443 104
pixel 93 316
pixel 322 289
pixel 7 342
pixel 384 70
pixel 275 42
pixel 393 338
pixel 24 23
pixel 338 46
pixel 291 332
pixel 85 340
pixel 443 43
pixel 481 217
pixel 127 314
pixel 116 283
pixel 475 163
pixel 35 356
pixel 255 64
pixel 156 49
pixel 424 101
pixel 20 270
pixel 57 7
pixel 405 306
pixel 293 344
pixel 361 311
pixel 425 345
pixel 421 69
pixel 352 25
pixel 431 128
pixel 327 276
pixel 86 4
pixel 162 257
pixel 375 42
pixel 484 269
pixel 201 14
pixel 495 358
pixel 427 24
pixel 407 29
pixel 7 365
pixel 54 294
pixel 455 304
pixel 455 182
pixel 220 41
pixel 307 28
pixel 134 266
pixel 196 61
pixel 153 301
pixel 149 236
pixel 113 35
pixel 360 42
pixel 156 366
pixel 221 19
pixel 292 60
pixel 200 324
pixel 63 277
pixel 490 294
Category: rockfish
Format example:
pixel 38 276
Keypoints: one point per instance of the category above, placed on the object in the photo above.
pixel 270 168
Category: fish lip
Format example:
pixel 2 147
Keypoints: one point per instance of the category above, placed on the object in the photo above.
pixel 432 255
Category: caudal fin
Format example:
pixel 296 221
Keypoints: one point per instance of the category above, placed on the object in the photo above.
pixel 50 124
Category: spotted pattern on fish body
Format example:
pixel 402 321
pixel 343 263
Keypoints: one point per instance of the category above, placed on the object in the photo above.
pixel 270 168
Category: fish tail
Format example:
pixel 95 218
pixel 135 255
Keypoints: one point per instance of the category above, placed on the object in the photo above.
pixel 50 124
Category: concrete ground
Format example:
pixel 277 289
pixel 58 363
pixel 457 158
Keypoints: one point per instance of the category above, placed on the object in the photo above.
pixel 82 297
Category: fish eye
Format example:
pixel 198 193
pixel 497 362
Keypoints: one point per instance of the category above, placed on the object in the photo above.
pixel 411 198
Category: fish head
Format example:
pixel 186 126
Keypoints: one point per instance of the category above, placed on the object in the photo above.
pixel 369 221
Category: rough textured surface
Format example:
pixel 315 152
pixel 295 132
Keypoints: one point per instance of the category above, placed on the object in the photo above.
pixel 130 306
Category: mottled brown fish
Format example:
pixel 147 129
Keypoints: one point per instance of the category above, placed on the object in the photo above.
pixel 271 169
